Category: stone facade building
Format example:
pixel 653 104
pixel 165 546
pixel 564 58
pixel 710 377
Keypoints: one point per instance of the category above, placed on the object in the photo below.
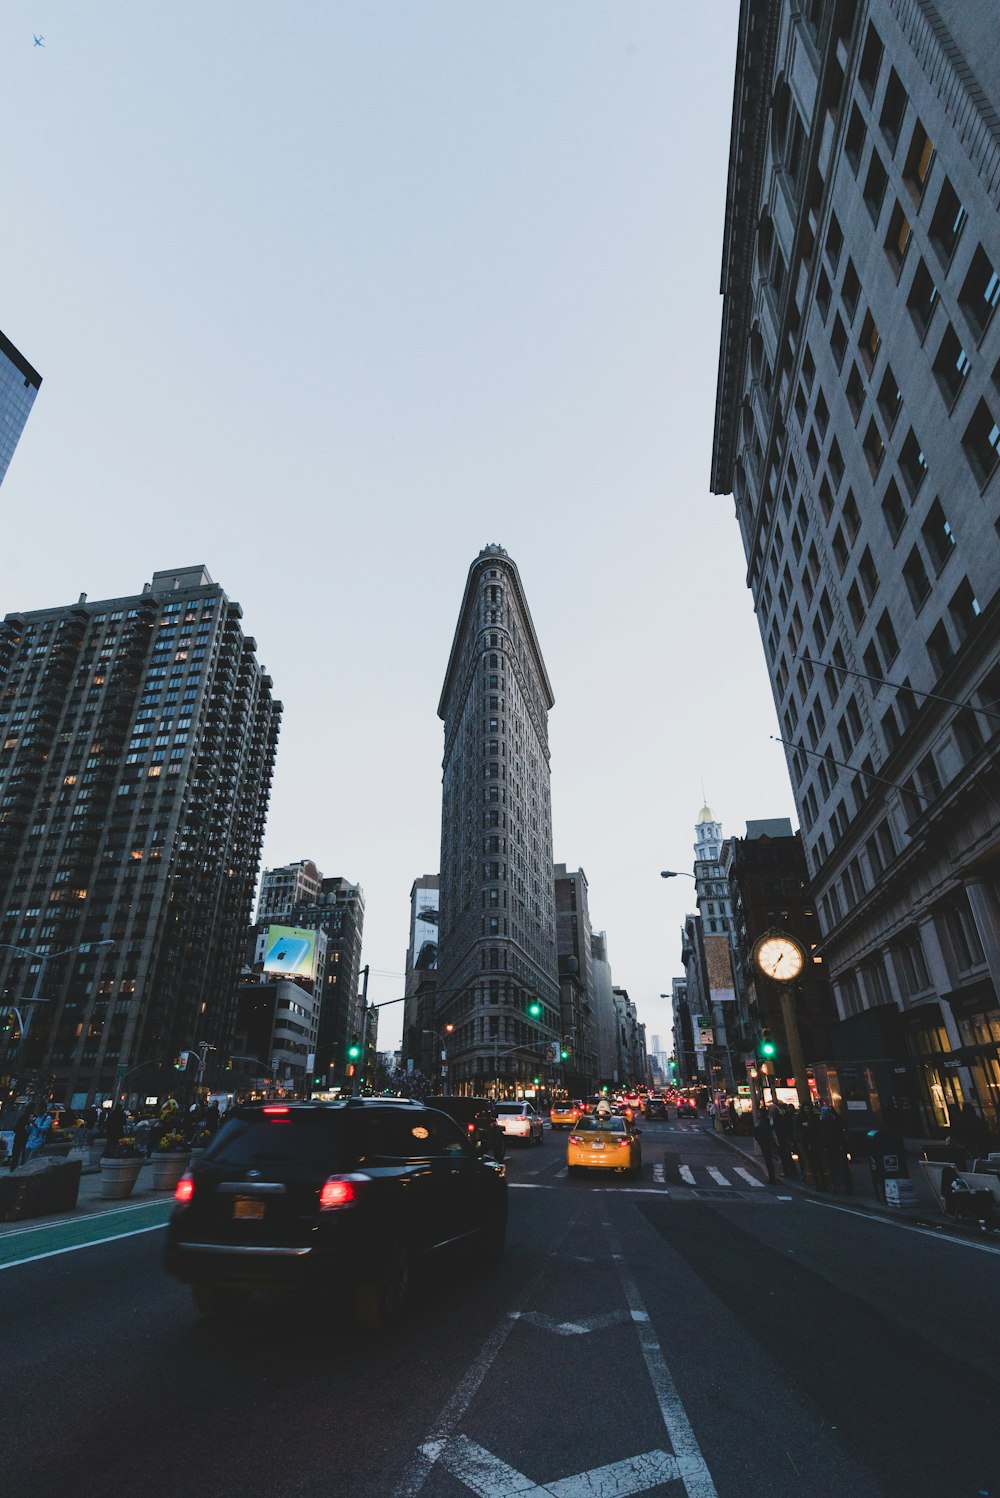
pixel 574 937
pixel 857 428
pixel 498 980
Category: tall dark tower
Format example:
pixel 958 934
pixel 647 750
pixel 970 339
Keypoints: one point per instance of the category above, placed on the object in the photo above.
pixel 139 736
pixel 498 980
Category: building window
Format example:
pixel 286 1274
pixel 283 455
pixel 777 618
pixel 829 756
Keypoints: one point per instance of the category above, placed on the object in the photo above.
pixel 964 608
pixel 875 185
pixel 854 142
pixel 951 366
pixel 917 582
pixel 938 536
pixel 947 223
pixel 893 109
pixel 919 159
pixel 874 448
pixel 982 442
pixel 897 240
pixel 871 62
pixel 886 635
pixel 838 341
pixel 980 292
pixel 869 342
pixel 939 647
pixel 923 299
pixel 855 391
pixel 912 463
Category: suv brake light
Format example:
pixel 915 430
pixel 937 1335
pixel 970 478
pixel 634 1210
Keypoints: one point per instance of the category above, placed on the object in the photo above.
pixel 184 1190
pixel 340 1191
pixel 277 1111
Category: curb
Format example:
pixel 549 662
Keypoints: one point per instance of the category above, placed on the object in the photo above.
pixel 862 1204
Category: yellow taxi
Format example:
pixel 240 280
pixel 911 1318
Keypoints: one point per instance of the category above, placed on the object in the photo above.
pixel 603 1144
pixel 564 1113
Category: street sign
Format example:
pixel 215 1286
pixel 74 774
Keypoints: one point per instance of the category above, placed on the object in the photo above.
pixel 120 1070
pixel 706 1036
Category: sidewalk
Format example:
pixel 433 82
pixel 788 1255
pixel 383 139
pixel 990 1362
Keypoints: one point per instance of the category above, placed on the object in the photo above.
pixel 90 1203
pixel 864 1197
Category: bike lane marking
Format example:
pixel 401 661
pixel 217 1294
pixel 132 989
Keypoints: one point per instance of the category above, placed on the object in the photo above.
pixel 88 1232
pixel 691 1465
pixel 909 1227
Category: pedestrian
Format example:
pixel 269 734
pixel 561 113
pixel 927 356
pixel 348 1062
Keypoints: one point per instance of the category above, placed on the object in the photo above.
pixel 765 1143
pixel 834 1143
pixel 810 1146
pixel 731 1115
pixel 21 1130
pixel 117 1124
pixel 970 1132
pixel 212 1116
pixel 783 1127
pixel 38 1132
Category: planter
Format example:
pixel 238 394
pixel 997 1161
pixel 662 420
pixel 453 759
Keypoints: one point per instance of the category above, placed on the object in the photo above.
pixel 119 1176
pixel 167 1170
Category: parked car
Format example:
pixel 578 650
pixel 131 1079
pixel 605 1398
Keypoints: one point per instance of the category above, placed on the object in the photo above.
pixel 349 1196
pixel 604 1144
pixel 520 1121
pixel 478 1117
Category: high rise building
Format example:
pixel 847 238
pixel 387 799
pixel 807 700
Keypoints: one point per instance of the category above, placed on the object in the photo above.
pixel 299 895
pixel 19 384
pixel 857 428
pixel 605 1020
pixel 574 939
pixel 498 977
pixel 419 1042
pixel 136 754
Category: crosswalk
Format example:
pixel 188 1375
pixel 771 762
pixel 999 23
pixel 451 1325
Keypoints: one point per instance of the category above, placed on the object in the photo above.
pixel 664 1172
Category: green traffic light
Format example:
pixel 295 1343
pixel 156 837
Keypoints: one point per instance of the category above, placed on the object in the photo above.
pixel 353 1051
pixel 535 1009
pixel 768 1048
pixel 564 1055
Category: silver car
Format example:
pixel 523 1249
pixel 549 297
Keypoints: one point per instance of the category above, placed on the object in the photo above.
pixel 520 1121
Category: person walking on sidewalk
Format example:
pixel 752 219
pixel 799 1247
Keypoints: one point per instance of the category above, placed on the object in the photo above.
pixel 38 1131
pixel 765 1143
pixel 783 1125
pixel 21 1131
pixel 833 1138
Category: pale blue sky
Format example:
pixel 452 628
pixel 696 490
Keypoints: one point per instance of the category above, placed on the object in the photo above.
pixel 326 296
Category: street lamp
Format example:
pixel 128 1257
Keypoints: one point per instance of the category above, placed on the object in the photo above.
pixel 43 958
pixel 676 874
pixel 443 1065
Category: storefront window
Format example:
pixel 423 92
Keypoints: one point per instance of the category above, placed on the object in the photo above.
pixel 980 1029
pixel 943 1092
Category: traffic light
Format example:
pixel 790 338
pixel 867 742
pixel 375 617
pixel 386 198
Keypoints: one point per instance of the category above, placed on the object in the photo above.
pixel 766 1048
pixel 354 1049
pixel 535 1009
pixel 564 1053
pixel 181 1061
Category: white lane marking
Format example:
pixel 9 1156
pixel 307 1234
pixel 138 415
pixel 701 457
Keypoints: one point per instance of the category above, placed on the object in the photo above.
pixel 909 1227
pixel 691 1465
pixel 658 1172
pixel 751 1179
pixel 573 1328
pixel 58 1222
pixel 489 1477
pixel 95 1243
pixel 687 1175
pixel 717 1176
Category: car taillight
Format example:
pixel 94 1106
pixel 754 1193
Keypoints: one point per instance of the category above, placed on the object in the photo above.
pixel 276 1111
pixel 338 1191
pixel 574 1139
pixel 623 1144
pixel 184 1190
pixel 471 1128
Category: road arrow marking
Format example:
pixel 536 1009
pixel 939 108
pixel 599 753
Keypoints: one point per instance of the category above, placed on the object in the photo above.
pixel 573 1328
pixel 489 1477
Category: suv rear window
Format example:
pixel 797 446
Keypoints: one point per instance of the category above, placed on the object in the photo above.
pixel 512 1107
pixel 303 1138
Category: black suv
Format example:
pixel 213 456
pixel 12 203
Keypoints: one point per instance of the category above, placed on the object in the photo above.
pixel 350 1196
pixel 478 1117
pixel 654 1107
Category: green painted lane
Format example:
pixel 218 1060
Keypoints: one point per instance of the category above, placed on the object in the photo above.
pixel 97 1227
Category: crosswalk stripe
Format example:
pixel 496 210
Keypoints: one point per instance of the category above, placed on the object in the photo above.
pixel 658 1172
pixel 686 1175
pixel 717 1175
pixel 750 1179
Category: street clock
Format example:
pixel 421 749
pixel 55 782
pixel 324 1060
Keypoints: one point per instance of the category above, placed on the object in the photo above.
pixel 779 957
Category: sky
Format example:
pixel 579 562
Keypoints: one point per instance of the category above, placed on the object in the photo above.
pixel 327 296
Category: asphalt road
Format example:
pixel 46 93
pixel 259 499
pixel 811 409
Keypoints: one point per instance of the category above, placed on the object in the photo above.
pixel 692 1333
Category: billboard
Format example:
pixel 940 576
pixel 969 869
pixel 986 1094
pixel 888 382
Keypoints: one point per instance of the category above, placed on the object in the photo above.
pixel 290 951
pixel 425 931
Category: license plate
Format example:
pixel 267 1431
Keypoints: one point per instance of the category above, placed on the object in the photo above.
pixel 597 1146
pixel 248 1206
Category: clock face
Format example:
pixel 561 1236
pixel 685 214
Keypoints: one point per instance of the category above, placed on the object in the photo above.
pixel 780 958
